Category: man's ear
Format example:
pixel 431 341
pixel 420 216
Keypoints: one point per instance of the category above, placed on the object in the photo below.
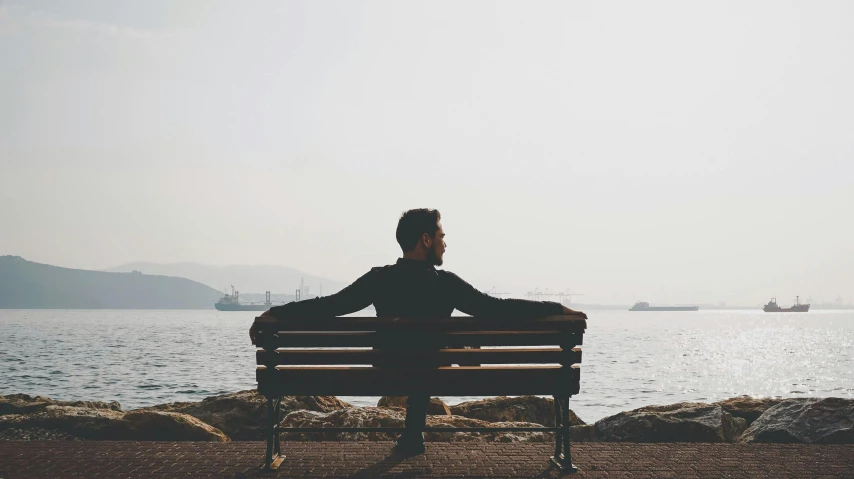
pixel 427 240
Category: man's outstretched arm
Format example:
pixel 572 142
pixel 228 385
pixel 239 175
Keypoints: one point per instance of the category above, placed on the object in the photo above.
pixel 471 301
pixel 355 297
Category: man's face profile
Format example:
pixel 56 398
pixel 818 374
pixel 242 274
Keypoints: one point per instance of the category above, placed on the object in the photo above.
pixel 436 247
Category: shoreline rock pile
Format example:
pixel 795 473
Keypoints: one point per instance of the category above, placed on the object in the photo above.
pixel 34 418
pixel 240 416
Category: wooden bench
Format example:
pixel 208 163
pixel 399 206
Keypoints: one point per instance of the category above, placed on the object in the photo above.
pixel 524 356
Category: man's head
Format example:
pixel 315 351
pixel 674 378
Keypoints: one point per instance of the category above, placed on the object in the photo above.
pixel 420 235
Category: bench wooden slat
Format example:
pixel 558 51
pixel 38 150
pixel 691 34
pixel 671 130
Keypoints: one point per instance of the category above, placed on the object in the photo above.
pixel 444 356
pixel 449 381
pixel 573 323
pixel 289 339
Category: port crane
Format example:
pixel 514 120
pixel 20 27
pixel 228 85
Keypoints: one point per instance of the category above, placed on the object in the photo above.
pixel 495 293
pixel 546 295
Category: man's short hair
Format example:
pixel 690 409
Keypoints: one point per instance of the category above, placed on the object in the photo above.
pixel 413 224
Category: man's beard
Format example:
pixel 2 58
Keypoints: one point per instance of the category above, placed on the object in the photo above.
pixel 433 259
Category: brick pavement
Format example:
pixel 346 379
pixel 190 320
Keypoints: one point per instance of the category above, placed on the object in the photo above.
pixel 58 459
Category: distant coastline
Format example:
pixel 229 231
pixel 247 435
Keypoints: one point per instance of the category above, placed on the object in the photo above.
pixel 29 285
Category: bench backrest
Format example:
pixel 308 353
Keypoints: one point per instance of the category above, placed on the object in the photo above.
pixel 317 356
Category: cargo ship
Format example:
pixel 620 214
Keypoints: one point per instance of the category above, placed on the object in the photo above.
pixel 231 302
pixel 644 306
pixel 772 307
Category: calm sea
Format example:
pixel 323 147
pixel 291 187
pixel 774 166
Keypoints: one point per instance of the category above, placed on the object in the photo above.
pixel 631 359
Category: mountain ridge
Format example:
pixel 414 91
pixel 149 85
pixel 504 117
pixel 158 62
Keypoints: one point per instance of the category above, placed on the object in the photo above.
pixel 29 285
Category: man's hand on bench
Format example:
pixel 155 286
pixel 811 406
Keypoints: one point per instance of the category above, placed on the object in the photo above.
pixel 253 331
pixel 573 312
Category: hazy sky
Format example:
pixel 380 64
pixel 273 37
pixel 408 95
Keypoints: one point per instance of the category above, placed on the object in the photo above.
pixel 660 151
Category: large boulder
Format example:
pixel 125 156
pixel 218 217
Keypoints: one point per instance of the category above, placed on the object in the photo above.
pixel 67 421
pixel 681 422
pixel 348 417
pixel 436 407
pixel 498 436
pixel 394 417
pixel 168 426
pixel 583 433
pixel 531 409
pixel 74 422
pixel 746 407
pixel 809 421
pixel 243 415
pixel 25 404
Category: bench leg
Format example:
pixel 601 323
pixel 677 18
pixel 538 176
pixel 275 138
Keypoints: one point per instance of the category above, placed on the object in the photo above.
pixel 273 459
pixel 277 446
pixel 562 460
pixel 567 453
pixel 558 423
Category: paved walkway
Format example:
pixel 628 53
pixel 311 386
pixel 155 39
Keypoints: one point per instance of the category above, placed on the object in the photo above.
pixel 34 459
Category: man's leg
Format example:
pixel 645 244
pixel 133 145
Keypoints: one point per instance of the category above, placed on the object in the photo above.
pixel 416 414
pixel 412 440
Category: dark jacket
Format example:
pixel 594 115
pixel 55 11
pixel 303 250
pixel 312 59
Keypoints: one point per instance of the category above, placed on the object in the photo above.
pixel 414 289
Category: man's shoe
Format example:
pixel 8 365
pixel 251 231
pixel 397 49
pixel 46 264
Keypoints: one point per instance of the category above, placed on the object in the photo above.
pixel 409 446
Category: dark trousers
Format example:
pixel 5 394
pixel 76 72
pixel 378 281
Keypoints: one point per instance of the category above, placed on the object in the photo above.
pixel 416 415
pixel 416 405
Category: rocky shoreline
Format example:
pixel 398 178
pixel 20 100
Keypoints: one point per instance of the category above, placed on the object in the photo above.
pixel 240 417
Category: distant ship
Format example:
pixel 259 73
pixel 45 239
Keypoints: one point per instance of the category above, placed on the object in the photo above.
pixel 644 306
pixel 772 307
pixel 230 302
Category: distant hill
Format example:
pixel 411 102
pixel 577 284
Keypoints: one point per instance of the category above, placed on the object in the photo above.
pixel 245 278
pixel 28 285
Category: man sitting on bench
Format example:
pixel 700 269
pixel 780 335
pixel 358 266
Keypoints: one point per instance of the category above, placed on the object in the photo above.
pixel 414 288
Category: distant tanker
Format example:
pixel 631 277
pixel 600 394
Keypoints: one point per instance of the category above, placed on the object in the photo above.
pixel 230 302
pixel 772 307
pixel 644 306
